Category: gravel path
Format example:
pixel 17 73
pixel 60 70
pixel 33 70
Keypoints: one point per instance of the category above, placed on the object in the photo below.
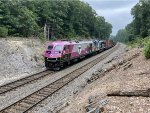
pixel 64 96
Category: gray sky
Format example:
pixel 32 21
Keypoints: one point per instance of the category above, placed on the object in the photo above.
pixel 116 12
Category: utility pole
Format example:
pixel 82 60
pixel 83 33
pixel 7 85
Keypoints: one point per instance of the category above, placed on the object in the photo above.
pixel 46 31
pixel 45 34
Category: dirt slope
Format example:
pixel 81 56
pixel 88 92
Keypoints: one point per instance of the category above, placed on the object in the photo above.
pixel 128 73
pixel 20 57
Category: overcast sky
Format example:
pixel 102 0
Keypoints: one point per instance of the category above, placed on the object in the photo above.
pixel 116 12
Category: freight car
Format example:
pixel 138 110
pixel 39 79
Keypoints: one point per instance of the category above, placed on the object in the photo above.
pixel 61 53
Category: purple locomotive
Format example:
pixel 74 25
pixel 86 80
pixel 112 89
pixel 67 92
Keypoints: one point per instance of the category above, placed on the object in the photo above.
pixel 61 53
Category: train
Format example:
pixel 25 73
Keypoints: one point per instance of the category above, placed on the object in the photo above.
pixel 60 53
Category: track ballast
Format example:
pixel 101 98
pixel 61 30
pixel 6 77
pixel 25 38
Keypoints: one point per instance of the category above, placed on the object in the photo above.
pixel 18 83
pixel 27 104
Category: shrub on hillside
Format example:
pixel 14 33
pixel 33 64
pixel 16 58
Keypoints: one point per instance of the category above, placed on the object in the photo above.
pixel 3 32
pixel 147 50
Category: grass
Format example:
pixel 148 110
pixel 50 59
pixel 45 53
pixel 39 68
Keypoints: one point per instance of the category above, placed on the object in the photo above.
pixel 142 43
pixel 139 42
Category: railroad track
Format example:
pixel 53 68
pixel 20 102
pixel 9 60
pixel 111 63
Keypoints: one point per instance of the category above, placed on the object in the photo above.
pixel 27 104
pixel 18 83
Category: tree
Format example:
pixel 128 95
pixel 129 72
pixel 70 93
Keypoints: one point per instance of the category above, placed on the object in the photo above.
pixel 122 36
pixel 141 18
pixel 67 19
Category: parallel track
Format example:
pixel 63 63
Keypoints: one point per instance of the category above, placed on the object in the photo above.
pixel 27 104
pixel 18 83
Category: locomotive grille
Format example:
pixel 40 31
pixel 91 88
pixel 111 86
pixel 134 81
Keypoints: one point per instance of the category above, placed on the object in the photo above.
pixel 51 59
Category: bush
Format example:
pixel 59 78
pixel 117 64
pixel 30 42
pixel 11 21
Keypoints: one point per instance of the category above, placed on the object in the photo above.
pixel 3 32
pixel 139 42
pixel 147 50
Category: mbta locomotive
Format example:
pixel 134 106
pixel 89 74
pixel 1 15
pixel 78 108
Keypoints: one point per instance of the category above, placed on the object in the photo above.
pixel 61 53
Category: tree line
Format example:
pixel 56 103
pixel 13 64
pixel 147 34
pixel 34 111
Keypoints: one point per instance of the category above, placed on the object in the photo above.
pixel 140 26
pixel 67 19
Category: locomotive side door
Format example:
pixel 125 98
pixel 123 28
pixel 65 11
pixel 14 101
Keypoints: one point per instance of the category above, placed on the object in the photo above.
pixel 66 53
pixel 69 53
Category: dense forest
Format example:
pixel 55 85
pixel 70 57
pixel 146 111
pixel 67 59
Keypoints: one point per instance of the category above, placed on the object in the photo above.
pixel 66 18
pixel 140 26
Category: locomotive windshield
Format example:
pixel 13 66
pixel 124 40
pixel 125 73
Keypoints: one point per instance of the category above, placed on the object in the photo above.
pixel 58 48
pixel 50 47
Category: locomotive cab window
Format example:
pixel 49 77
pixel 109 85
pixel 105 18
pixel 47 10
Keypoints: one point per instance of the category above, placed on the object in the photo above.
pixel 58 48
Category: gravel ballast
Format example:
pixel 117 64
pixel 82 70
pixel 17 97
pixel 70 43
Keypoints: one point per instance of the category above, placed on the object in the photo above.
pixel 62 95
pixel 65 95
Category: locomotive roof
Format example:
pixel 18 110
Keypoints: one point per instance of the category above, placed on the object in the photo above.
pixel 59 42
pixel 68 42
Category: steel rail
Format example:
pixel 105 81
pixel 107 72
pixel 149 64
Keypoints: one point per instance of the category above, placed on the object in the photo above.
pixel 20 82
pixel 27 104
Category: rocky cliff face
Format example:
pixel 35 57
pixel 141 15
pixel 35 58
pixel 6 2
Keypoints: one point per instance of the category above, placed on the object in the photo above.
pixel 20 57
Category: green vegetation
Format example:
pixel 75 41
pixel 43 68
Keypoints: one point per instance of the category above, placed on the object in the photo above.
pixel 3 32
pixel 137 33
pixel 147 50
pixel 122 35
pixel 140 26
pixel 66 18
pixel 142 43
pixel 138 42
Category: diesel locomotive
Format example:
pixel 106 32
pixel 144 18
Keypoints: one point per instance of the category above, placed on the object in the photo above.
pixel 61 53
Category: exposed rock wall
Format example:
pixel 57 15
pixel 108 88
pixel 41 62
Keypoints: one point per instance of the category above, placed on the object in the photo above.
pixel 20 57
